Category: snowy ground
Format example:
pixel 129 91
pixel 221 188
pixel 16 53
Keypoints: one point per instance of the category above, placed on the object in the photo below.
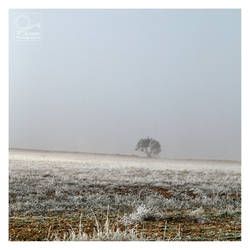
pixel 102 160
pixel 136 191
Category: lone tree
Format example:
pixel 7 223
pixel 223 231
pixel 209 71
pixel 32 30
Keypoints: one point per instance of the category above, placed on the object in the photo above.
pixel 149 146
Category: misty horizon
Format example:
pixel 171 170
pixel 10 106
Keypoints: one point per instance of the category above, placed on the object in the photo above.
pixel 97 81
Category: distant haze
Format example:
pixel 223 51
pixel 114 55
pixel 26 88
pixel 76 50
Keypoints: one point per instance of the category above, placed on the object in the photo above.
pixel 99 80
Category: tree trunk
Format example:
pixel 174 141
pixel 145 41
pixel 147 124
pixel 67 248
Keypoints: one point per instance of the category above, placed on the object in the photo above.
pixel 148 153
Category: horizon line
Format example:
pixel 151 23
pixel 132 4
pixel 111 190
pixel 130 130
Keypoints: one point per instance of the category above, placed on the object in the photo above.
pixel 118 155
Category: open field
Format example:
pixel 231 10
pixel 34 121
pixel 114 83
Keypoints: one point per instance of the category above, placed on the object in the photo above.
pixel 73 196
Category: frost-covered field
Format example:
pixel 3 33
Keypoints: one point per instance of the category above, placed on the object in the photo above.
pixel 72 196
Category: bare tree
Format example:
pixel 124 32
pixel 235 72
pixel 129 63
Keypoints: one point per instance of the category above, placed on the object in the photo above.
pixel 149 146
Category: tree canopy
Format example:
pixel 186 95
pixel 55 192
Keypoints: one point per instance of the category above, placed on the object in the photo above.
pixel 149 146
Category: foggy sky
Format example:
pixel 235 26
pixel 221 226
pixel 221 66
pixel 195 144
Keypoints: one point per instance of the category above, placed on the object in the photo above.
pixel 99 80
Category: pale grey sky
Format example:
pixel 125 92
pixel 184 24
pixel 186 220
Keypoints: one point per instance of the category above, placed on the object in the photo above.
pixel 99 80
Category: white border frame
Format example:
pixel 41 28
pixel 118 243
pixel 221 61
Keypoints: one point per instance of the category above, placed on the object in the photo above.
pixel 191 4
